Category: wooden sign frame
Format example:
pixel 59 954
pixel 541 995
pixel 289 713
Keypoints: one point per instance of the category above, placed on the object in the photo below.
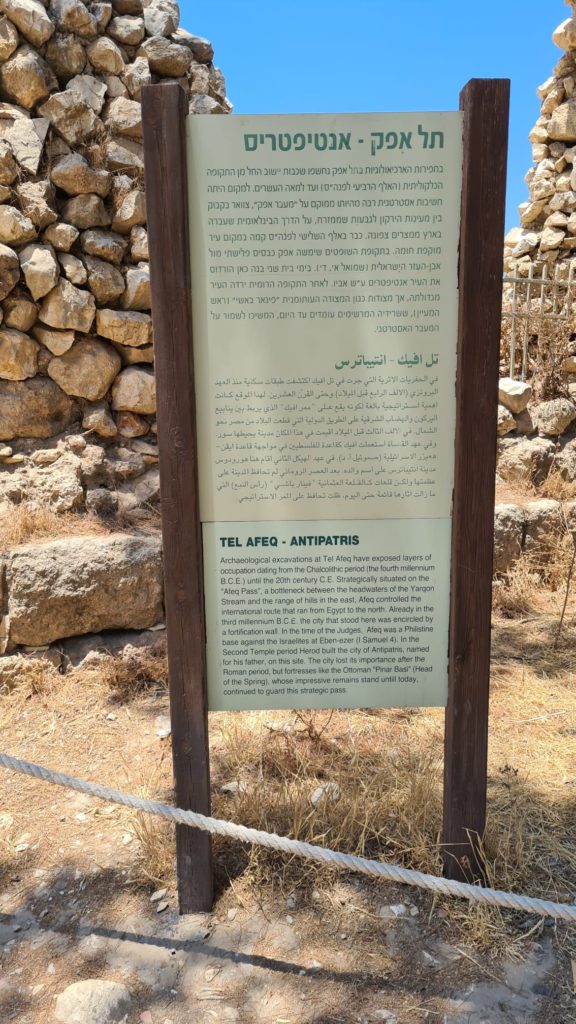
pixel 485 104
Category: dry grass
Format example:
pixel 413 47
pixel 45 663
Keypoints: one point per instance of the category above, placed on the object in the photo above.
pixel 140 670
pixel 25 523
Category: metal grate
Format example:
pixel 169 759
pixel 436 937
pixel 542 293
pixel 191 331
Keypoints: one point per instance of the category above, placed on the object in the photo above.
pixel 532 305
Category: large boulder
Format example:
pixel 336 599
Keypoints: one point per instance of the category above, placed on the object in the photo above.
pixel 508 536
pixel 34 408
pixel 525 460
pixel 544 524
pixel 82 585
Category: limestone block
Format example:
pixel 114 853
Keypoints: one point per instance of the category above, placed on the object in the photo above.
pixel 99 419
pixel 74 175
pixel 72 118
pixel 506 421
pixel 124 155
pixel 114 86
pixel 199 79
pixel 80 585
pixel 138 244
pixel 89 89
pixel 61 236
pixel 37 201
pixel 562 125
pixel 86 370
pixel 26 78
pixel 102 13
pixel 40 269
pixel 9 39
pixel 166 57
pixel 105 244
pixel 552 418
pixel 9 270
pixel 565 35
pixel 527 242
pixel 134 390
pixel 525 460
pixel 30 18
pixel 508 536
pixel 27 137
pixel 86 211
pixel 130 213
pixel 15 228
pixel 127 6
pixel 132 356
pixel 57 342
pixel 73 16
pixel 20 312
pixel 551 238
pixel 33 408
pixel 123 117
pixel 18 355
pixel 125 327
pixel 514 394
pixel 217 83
pixel 8 165
pixel 201 49
pixel 205 105
pixel 72 268
pixel 136 75
pixel 161 17
pixel 544 524
pixel 104 280
pixel 105 56
pixel 66 56
pixel 137 294
pixel 565 461
pixel 131 425
pixel 68 307
pixel 127 30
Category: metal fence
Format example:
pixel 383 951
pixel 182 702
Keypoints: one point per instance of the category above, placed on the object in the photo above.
pixel 534 308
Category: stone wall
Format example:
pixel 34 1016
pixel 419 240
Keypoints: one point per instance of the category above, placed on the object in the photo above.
pixel 76 347
pixel 547 231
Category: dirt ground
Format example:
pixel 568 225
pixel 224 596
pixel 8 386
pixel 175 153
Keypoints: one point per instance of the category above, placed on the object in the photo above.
pixel 287 944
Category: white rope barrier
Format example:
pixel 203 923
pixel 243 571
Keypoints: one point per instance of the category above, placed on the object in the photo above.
pixel 293 847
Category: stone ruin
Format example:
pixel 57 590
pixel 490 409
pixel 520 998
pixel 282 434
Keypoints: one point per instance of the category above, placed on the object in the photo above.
pixel 77 397
pixel 76 347
pixel 537 393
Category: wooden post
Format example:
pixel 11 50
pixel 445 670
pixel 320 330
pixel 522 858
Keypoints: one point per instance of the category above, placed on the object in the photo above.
pixel 164 109
pixel 485 106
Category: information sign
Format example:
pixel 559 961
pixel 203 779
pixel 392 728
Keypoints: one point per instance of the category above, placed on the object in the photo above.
pixel 325 307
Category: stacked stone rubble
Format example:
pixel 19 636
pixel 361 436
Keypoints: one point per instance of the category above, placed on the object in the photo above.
pixel 547 231
pixel 76 340
pixel 538 431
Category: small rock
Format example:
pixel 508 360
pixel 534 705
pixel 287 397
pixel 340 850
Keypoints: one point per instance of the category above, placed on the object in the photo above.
pixel 66 56
pixel 86 211
pixel 98 418
pixel 163 905
pixel 9 270
pixel 162 726
pixel 124 327
pixel 15 227
pixel 88 89
pixel 325 791
pixel 105 56
pixel 20 312
pixel 57 342
pixel 61 236
pixel 68 307
pixel 93 1002
pixel 74 175
pixel 158 895
pixel 40 268
pixel 104 244
pixel 165 57
pixel 506 421
pixel 127 30
pixel 234 787
pixel 73 16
